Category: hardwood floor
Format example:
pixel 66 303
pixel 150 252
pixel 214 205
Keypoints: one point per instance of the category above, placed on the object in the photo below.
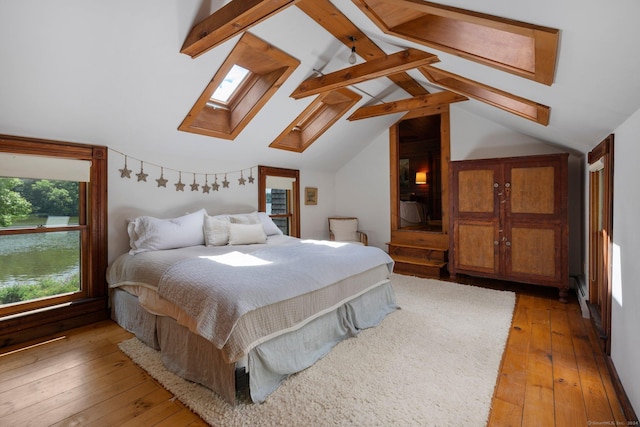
pixel 553 374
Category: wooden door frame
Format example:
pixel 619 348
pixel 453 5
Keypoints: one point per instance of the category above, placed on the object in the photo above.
pixel 294 174
pixel 601 313
pixel 425 238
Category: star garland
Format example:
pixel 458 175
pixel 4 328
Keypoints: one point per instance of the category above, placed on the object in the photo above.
pixel 207 187
pixel 125 172
pixel 142 176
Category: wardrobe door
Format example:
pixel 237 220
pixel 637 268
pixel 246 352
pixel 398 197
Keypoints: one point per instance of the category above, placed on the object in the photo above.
pixel 535 220
pixel 476 221
pixel 533 253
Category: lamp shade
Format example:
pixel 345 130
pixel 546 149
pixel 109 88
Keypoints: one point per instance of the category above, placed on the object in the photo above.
pixel 421 177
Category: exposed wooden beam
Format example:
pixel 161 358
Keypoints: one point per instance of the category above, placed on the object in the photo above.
pixel 335 22
pixel 231 19
pixel 524 49
pixel 498 98
pixel 417 102
pixel 401 61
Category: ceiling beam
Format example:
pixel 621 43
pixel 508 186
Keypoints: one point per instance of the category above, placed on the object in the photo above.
pixel 335 22
pixel 524 49
pixel 401 61
pixel 490 95
pixel 417 102
pixel 230 20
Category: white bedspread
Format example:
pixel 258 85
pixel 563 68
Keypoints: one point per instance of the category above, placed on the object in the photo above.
pixel 217 290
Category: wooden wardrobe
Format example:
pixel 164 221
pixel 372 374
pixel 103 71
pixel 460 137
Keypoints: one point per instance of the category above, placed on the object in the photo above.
pixel 509 219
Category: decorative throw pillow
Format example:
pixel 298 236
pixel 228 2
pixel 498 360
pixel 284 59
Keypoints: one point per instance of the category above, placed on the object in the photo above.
pixel 344 230
pixel 147 233
pixel 246 234
pixel 216 231
pixel 248 218
pixel 270 228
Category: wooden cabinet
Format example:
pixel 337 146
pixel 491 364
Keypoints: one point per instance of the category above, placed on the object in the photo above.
pixel 509 219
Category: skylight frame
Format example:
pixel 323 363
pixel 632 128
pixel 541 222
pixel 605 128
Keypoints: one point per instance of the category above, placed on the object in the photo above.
pixel 321 114
pixel 269 68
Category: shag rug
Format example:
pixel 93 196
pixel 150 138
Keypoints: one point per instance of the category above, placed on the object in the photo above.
pixel 434 362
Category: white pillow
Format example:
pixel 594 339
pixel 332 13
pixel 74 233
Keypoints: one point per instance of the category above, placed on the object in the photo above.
pixel 345 230
pixel 249 218
pixel 246 234
pixel 270 228
pixel 216 231
pixel 147 233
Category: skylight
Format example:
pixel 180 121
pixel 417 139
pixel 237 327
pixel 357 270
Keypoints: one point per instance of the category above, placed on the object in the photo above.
pixel 230 84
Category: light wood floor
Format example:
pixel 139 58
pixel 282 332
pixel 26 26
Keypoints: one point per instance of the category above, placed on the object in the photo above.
pixel 552 374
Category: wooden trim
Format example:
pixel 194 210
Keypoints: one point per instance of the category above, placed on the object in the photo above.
pixel 601 242
pixel 621 394
pixel 323 112
pixel 434 240
pixel 401 61
pixel 520 48
pixel 263 172
pixel 90 304
pixel 335 22
pixel 517 105
pixel 29 326
pixel 230 20
pixel 270 68
pixel 417 102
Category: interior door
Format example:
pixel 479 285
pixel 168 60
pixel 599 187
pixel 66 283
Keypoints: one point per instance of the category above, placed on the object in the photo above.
pixel 601 238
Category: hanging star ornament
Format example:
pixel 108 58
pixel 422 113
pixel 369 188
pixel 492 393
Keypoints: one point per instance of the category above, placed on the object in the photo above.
pixel 179 185
pixel 125 172
pixel 141 175
pixel 194 186
pixel 215 184
pixel 161 181
pixel 241 180
pixel 206 187
pixel 251 178
pixel 225 183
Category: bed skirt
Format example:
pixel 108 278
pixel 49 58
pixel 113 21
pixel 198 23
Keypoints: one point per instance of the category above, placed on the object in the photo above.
pixel 269 363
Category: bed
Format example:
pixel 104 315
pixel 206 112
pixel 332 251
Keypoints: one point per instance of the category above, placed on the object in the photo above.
pixel 233 304
pixel 413 214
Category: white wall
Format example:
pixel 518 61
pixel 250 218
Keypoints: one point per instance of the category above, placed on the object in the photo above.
pixel 625 313
pixel 362 190
pixel 129 198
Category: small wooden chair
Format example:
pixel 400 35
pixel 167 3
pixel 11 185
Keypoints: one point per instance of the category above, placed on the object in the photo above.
pixel 345 229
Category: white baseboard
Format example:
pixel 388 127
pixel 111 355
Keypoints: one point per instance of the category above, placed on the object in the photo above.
pixel 578 283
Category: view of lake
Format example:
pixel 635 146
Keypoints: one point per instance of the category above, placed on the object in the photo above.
pixel 25 258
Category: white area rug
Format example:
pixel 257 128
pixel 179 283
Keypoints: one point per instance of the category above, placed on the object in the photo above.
pixel 434 362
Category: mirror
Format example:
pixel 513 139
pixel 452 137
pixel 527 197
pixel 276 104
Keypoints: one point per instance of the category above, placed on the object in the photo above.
pixel 420 174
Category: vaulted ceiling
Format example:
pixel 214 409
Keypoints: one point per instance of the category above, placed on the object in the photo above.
pixel 113 72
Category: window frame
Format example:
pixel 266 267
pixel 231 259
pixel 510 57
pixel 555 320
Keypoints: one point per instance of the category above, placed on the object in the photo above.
pixel 314 120
pixel 293 199
pixel 269 68
pixel 24 321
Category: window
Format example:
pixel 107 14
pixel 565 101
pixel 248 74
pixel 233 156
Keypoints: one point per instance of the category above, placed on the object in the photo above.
pixel 52 230
pixel 230 85
pixel 41 257
pixel 248 78
pixel 324 111
pixel 279 196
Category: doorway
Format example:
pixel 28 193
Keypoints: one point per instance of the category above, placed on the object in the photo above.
pixel 601 238
pixel 419 237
